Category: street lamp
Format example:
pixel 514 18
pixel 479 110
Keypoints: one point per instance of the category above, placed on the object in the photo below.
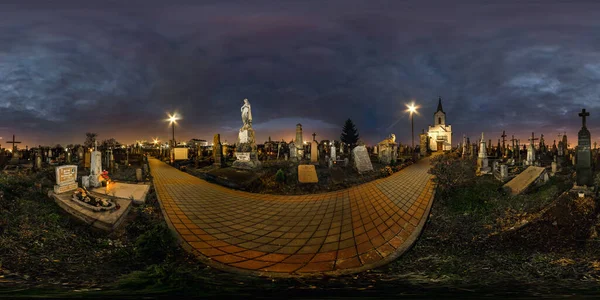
pixel 412 109
pixel 172 121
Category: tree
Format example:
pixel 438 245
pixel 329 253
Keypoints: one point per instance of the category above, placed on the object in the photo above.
pixel 110 143
pixel 349 134
pixel 90 138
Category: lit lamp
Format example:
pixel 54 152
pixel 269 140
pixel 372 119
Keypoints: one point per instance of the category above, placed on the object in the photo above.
pixel 412 109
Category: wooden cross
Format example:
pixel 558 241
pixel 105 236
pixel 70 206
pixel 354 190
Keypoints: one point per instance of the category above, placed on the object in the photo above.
pixel 583 114
pixel 14 142
pixel 532 139
pixel 503 138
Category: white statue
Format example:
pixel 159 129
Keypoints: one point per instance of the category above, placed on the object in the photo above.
pixel 246 114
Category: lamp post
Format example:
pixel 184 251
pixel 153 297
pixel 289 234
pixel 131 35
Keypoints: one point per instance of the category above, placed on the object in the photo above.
pixel 412 109
pixel 173 120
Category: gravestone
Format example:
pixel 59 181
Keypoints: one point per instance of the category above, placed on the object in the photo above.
pixel 554 167
pixel 307 174
pixel 15 151
pixel 524 180
pixel 293 151
pixel 95 167
pixel 333 152
pixel 299 142
pixel 218 151
pixel 423 144
pixel 531 150
pixel 361 159
pixel 66 179
pixel 87 160
pixel 80 153
pixel 38 162
pixel 503 172
pixel 584 154
pixel 482 160
pixel 314 152
pixel 386 148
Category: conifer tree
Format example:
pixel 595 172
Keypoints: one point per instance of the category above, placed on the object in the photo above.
pixel 349 134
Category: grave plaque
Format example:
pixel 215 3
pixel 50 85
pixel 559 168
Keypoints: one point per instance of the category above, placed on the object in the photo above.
pixel 307 174
pixel 66 179
pixel 361 159
pixel 66 174
pixel 243 156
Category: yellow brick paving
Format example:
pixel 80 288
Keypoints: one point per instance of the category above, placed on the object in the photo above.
pixel 340 232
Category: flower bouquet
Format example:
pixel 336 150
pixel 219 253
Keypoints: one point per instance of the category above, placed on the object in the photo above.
pixel 82 195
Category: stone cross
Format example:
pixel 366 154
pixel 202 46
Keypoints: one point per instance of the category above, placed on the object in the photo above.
pixel 503 139
pixel 13 143
pixel 513 143
pixel 95 145
pixel 582 114
pixel 314 136
pixel 532 139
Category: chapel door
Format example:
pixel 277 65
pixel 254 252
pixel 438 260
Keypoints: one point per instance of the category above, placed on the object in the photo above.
pixel 440 146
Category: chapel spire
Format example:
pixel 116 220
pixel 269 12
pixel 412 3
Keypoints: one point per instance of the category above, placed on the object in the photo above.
pixel 440 105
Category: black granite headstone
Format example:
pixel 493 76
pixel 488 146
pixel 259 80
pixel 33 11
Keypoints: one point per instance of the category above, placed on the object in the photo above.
pixel 584 154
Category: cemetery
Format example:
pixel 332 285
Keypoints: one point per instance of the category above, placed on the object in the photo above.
pixel 530 210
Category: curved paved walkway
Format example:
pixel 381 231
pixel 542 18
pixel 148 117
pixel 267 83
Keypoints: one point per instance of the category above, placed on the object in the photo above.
pixel 340 232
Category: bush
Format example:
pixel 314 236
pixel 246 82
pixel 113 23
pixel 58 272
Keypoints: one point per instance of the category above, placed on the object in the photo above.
pixel 451 172
pixel 280 176
pixel 156 244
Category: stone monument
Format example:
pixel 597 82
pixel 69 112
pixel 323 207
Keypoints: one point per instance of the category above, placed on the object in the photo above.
pixel 584 154
pixel 314 150
pixel 293 151
pixel 482 160
pixel 423 138
pixel 96 167
pixel 246 154
pixel 218 151
pixel 362 162
pixel 299 143
pixel 385 149
pixel 531 151
pixel 333 151
pixel 66 179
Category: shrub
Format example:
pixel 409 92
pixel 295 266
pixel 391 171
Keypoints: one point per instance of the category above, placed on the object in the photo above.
pixel 450 171
pixel 280 176
pixel 156 244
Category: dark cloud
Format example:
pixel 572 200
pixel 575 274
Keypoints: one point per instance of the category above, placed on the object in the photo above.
pixel 117 68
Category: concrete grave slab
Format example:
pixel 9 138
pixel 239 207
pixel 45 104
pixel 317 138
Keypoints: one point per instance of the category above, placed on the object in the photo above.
pixel 524 180
pixel 126 191
pixel 307 174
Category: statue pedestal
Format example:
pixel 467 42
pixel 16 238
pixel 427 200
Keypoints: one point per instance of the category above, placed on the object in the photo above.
pixel 247 158
pixel 246 161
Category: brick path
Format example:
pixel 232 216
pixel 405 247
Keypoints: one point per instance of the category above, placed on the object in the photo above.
pixel 340 232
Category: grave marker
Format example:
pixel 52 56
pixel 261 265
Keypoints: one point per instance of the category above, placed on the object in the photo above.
pixel 66 179
pixel 584 154
pixel 361 159
pixel 307 174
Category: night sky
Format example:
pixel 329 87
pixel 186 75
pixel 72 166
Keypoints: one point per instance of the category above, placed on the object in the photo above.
pixel 118 67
